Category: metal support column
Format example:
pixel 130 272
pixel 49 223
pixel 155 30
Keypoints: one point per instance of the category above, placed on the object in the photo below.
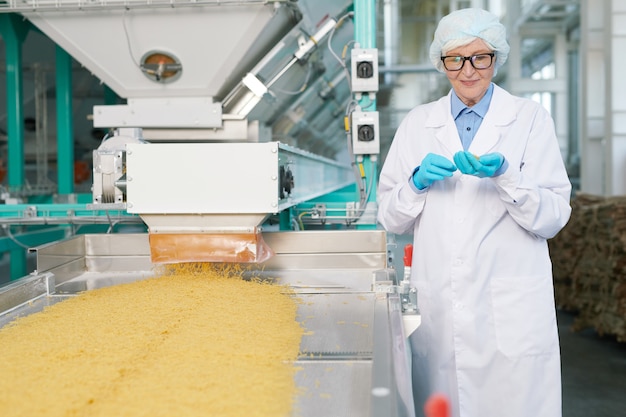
pixel 14 28
pixel 365 36
pixel 65 136
pixel 284 219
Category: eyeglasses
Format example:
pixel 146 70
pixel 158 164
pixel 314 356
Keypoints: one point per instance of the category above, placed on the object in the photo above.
pixel 480 61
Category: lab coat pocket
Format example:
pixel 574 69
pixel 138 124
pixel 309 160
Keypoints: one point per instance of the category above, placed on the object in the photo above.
pixel 524 315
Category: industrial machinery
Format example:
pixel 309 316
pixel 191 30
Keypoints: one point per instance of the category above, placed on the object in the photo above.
pixel 242 124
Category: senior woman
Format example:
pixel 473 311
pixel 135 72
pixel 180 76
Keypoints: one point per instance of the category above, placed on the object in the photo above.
pixel 478 179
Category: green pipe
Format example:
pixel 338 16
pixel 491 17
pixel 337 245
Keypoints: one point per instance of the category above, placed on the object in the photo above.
pixel 365 23
pixel 65 136
pixel 284 219
pixel 14 28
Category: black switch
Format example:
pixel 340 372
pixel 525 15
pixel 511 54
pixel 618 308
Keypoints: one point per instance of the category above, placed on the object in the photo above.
pixel 365 69
pixel 366 133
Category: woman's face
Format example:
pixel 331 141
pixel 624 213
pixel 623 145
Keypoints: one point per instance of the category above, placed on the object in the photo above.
pixel 469 83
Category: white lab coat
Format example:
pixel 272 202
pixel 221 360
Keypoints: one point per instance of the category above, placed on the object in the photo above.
pixel 488 338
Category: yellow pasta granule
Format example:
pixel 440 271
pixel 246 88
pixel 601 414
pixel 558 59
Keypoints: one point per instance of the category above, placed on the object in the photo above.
pixel 197 341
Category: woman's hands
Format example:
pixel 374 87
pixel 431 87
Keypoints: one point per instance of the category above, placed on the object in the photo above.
pixel 436 167
pixel 433 168
pixel 483 166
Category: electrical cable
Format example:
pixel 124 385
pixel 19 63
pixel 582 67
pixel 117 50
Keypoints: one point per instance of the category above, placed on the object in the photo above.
pixel 130 49
pixel 367 196
pixel 350 106
pixel 330 48
pixel 304 86
pixel 106 136
pixel 111 223
pixel 7 230
pixel 300 218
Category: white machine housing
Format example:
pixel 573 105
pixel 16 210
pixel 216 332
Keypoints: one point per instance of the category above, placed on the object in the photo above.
pixel 207 188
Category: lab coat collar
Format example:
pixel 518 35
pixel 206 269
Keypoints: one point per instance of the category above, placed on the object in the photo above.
pixel 501 113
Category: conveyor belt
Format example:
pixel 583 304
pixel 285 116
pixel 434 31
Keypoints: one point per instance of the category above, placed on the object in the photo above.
pixel 335 374
pixel 336 358
pixel 338 325
pixel 334 388
pixel 347 350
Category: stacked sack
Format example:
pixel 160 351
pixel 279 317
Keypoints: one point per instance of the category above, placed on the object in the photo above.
pixel 589 264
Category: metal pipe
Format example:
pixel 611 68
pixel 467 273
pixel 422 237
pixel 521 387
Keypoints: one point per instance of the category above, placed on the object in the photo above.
pixel 84 5
pixel 69 220
pixel 365 23
pixel 406 68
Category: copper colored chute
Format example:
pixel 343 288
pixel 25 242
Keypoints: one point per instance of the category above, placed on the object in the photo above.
pixel 201 247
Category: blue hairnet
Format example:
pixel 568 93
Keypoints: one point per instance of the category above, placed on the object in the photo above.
pixel 462 27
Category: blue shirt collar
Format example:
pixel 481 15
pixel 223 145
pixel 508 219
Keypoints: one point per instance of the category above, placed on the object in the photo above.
pixel 479 108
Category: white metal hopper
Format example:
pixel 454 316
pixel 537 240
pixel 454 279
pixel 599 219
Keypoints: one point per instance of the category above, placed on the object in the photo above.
pixel 213 43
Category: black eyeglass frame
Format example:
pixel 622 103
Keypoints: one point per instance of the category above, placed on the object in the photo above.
pixel 468 58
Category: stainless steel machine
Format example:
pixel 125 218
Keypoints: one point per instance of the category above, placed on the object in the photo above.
pixel 235 114
pixel 340 276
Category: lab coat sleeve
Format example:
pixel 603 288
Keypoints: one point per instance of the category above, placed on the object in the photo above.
pixel 536 192
pixel 399 202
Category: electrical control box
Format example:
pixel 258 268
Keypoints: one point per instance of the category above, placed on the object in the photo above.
pixel 365 133
pixel 364 70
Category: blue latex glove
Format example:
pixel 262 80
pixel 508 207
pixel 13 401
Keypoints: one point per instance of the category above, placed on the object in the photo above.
pixel 433 168
pixel 484 166
pixel 465 162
